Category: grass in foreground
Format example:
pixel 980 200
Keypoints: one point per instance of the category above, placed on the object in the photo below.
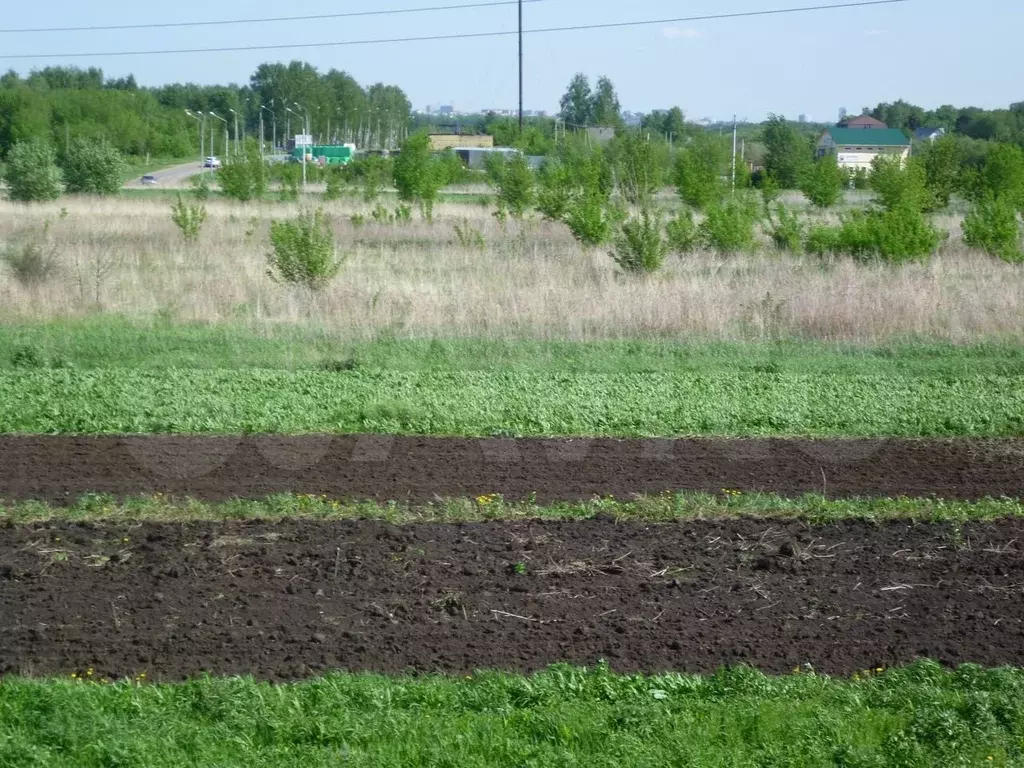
pixel 508 403
pixel 663 508
pixel 921 715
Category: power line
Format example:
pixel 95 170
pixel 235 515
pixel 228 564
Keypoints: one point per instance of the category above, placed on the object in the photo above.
pixel 316 17
pixel 463 35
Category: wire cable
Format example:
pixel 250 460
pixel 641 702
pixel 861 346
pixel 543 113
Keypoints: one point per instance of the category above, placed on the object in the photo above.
pixel 316 17
pixel 460 36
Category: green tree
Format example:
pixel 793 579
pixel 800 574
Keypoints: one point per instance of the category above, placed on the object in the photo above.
pixel 1002 176
pixel 605 104
pixel 992 225
pixel 303 251
pixel 243 176
pixel 823 182
pixel 32 173
pixel 942 160
pixel 93 167
pixel 418 174
pixel 900 184
pixel 516 186
pixel 640 246
pixel 700 168
pixel 787 153
pixel 577 104
pixel 640 162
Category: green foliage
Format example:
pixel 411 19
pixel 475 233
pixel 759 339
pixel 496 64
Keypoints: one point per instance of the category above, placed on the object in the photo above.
pixel 591 219
pixel 33 260
pixel 200 187
pixel 681 232
pixel 897 235
pixel 942 160
pixel 335 180
pixel 371 172
pixel 1002 176
pixel 640 247
pixel 728 226
pixel 721 400
pixel 993 226
pixel 577 105
pixel 189 217
pixel 554 189
pixel 699 169
pixel 900 184
pixel 788 154
pixel 469 236
pixel 640 162
pixel 93 167
pixel 823 182
pixel 419 176
pixel 823 240
pixel 859 178
pixel 785 228
pixel 289 175
pixel 515 186
pixel 304 252
pixel 243 176
pixel 31 172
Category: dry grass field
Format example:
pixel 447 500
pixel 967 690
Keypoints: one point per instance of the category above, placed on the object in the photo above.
pixel 525 281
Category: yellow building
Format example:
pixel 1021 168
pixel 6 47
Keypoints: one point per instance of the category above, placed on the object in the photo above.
pixel 856 148
pixel 442 141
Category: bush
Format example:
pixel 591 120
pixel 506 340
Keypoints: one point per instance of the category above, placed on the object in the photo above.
pixel 244 177
pixel 32 174
pixel 898 185
pixel 785 228
pixel 1002 176
pixel 334 183
pixel 992 225
pixel 554 190
pixel 515 186
pixel 200 187
pixel 681 232
pixel 859 179
pixel 942 160
pixel 639 161
pixel 189 217
pixel 699 169
pixel 640 246
pixel 290 175
pixel 304 252
pixel 823 182
pixel 32 261
pixel 371 172
pixel 590 220
pixel 93 168
pixel 898 235
pixel 419 176
pixel 728 227
pixel 822 239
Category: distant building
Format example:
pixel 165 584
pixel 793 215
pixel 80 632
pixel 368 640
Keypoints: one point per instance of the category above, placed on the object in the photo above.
pixel 856 148
pixel 442 141
pixel 601 134
pixel 446 109
pixel 803 118
pixel 863 122
pixel 929 134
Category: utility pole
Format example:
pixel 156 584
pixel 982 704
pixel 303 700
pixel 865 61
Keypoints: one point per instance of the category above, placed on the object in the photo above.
pixel 236 129
pixel 734 153
pixel 520 67
pixel 202 136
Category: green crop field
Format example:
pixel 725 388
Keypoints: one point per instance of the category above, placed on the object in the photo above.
pixel 511 402
pixel 920 715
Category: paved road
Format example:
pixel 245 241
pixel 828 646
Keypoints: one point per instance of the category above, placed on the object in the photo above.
pixel 168 178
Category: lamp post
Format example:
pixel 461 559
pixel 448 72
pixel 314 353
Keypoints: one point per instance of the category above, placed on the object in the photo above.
pixel 202 136
pixel 274 121
pixel 305 137
pixel 214 114
pixel 236 129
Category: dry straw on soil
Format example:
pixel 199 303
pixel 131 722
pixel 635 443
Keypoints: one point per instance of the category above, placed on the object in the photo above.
pixel 531 280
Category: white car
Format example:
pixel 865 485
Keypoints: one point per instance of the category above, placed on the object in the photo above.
pixel 211 162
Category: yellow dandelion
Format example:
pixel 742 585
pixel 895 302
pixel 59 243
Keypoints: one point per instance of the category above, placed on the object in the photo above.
pixel 880 669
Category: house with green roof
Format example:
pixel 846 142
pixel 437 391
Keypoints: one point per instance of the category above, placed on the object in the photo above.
pixel 856 148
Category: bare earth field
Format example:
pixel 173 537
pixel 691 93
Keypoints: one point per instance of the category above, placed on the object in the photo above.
pixel 415 470
pixel 297 598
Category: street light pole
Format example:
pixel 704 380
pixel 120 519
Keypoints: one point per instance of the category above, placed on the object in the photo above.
pixel 214 114
pixel 202 136
pixel 305 137
pixel 236 129
pixel 520 67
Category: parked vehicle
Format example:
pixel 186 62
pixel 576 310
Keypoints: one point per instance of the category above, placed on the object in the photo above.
pixel 211 162
pixel 147 179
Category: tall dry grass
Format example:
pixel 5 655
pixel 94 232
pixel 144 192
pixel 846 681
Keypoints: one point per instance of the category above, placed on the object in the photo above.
pixel 530 280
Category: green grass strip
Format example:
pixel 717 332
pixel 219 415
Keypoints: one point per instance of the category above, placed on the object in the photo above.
pixel 508 403
pixel 113 342
pixel 666 507
pixel 921 715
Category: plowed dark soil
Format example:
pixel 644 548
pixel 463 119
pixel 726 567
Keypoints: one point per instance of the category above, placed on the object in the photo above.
pixel 415 470
pixel 296 598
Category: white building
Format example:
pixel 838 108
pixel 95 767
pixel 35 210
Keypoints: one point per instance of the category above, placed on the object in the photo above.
pixel 858 147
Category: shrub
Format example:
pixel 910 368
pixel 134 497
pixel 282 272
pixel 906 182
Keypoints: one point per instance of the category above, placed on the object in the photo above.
pixel 681 232
pixel 639 163
pixel 823 182
pixel 200 187
pixel 640 246
pixel 32 261
pixel 1002 176
pixel 32 174
pixel 243 176
pixel 304 252
pixel 334 183
pixel 403 214
pixel 93 168
pixel 554 190
pixel 942 160
pixel 189 217
pixel 515 186
pixel 992 225
pixel 290 175
pixel 728 227
pixel 785 228
pixel 898 185
pixel 822 239
pixel 419 176
pixel 699 169
pixel 898 235
pixel 590 220
pixel 469 236
pixel 371 172
pixel 859 179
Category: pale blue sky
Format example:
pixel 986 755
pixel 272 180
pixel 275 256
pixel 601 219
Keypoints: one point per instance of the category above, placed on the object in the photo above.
pixel 930 52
